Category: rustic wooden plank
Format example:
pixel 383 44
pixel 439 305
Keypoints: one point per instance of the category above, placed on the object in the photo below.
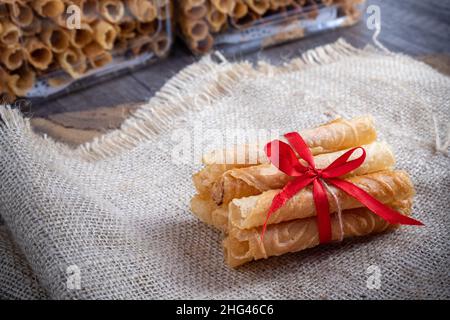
pixel 111 92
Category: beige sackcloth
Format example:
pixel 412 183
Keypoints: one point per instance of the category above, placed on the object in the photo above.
pixel 111 219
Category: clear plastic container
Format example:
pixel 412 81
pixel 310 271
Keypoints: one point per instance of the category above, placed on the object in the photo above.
pixel 50 47
pixel 236 26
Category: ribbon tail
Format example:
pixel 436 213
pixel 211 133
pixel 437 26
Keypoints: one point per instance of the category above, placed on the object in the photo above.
pixel 299 145
pixel 322 211
pixel 284 195
pixel 385 212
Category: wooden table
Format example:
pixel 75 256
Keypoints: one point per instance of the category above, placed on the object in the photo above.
pixel 420 28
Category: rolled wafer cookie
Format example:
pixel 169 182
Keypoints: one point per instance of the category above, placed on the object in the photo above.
pixel 242 246
pixel 248 181
pixel 385 186
pixel 336 135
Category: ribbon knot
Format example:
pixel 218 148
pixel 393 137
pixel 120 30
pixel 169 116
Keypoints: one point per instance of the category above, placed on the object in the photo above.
pixel 317 172
pixel 284 158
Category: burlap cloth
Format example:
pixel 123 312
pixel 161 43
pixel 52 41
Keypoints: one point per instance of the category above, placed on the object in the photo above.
pixel 118 209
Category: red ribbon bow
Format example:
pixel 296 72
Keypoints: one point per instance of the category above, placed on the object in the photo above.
pixel 283 157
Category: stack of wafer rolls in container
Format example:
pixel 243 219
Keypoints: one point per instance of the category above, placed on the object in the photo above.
pixel 235 197
pixel 40 37
pixel 200 20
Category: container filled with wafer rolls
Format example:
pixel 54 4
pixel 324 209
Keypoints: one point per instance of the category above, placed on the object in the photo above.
pixel 236 26
pixel 52 46
pixel 236 196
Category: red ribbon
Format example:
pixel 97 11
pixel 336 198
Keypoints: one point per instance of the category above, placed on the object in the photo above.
pixel 283 157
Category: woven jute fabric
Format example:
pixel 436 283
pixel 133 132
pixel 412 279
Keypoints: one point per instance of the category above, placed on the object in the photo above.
pixel 115 215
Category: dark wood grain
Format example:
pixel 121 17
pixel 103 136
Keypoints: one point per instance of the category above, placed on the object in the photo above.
pixel 415 27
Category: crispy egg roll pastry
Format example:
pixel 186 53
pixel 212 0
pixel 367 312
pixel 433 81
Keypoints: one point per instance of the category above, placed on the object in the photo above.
pixel 79 38
pixel 105 34
pixel 258 6
pixel 101 60
pixel 38 54
pixel 62 19
pixel 34 28
pixel 89 9
pixel 127 28
pixel 12 57
pixel 385 186
pixel 21 81
pixel 21 14
pixel 205 178
pixel 143 10
pixel 224 6
pixel 10 35
pixel 57 39
pixel 194 29
pixel 48 8
pixel 336 135
pixel 248 181
pixel 216 19
pixel 254 180
pixel 210 213
pixel 248 20
pixel 278 4
pixel 73 61
pixel 242 246
pixel 112 10
pixel 96 55
pixel 239 10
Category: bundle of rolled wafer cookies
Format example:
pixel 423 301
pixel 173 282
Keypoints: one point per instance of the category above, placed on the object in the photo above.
pixel 38 37
pixel 200 20
pixel 235 196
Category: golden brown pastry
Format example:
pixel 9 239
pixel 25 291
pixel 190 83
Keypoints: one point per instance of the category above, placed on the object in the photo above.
pixel 216 18
pixel 210 213
pixel 48 8
pixel 242 246
pixel 258 6
pixel 21 13
pixel 143 10
pixel 73 61
pixel 56 38
pixel 112 10
pixel 10 35
pixel 203 45
pixel 248 181
pixel 336 135
pixel 12 57
pixel 105 34
pixel 38 54
pixel 224 6
pixel 385 186
pixel 79 38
